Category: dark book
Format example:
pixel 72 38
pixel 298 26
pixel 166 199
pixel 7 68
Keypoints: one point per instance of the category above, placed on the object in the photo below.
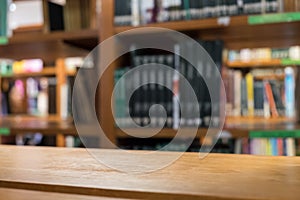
pixel 136 100
pixel 258 98
pixel 123 12
pixel 169 61
pixel 244 98
pixel 232 7
pixel 276 87
pixel 56 16
pixel 52 84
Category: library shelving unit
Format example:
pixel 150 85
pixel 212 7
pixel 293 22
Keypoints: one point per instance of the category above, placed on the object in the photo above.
pixel 52 47
pixel 240 32
pixel 52 124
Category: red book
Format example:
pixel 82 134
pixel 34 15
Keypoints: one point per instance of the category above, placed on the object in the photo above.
pixel 280 146
pixel 271 100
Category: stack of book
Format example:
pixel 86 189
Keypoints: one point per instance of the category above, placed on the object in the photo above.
pixel 260 92
pixel 150 94
pixel 265 54
pixel 137 12
pixel 268 146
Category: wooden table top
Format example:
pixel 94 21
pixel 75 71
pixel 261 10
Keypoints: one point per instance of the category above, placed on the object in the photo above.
pixel 15 194
pixel 218 176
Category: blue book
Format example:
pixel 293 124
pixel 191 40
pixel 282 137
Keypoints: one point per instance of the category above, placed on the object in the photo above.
pixel 274 147
pixel 290 91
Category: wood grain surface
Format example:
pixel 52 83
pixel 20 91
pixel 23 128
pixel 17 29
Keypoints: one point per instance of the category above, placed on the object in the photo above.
pixel 218 176
pixel 14 194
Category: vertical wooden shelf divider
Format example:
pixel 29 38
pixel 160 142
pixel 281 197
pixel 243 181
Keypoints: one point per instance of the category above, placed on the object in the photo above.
pixel 61 80
pixel 106 83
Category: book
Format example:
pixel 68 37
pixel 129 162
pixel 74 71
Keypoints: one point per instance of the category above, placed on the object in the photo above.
pixel 289 92
pixel 259 98
pixel 3 19
pixel 271 100
pixel 250 94
pixel 176 94
pixel 56 16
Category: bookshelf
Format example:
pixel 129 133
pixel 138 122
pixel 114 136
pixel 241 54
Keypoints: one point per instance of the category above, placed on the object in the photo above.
pixel 51 124
pixel 237 33
pixel 51 46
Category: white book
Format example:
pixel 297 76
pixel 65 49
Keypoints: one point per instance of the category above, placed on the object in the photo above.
pixel 64 101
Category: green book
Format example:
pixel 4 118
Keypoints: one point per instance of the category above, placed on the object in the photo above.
pixel 3 21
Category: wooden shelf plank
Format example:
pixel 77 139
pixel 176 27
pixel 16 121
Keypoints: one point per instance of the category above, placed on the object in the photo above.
pixel 53 36
pixel 47 71
pixel 237 126
pixel 191 24
pixel 255 63
pixel 51 125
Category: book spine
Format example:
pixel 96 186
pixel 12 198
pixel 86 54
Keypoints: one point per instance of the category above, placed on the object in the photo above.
pixel 136 102
pixel 135 7
pixel 290 91
pixel 153 91
pixel 3 18
pixel 250 94
pixel 244 98
pixel 237 92
pixel 176 94
pixel 280 146
pixel 271 100
pixel 290 147
pixel 169 61
pixel 259 98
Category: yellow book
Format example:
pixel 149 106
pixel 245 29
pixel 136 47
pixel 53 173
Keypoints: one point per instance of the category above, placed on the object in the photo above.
pixel 250 94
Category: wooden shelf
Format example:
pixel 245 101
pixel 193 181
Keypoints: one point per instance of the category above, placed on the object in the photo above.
pixel 237 126
pixel 255 64
pixel 51 125
pixel 53 36
pixel 191 25
pixel 47 71
pixel 270 77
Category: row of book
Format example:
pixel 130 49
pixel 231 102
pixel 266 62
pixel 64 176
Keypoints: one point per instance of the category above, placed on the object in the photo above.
pixel 244 55
pixel 35 96
pixel 10 67
pixel 137 12
pixel 268 146
pixel 147 95
pixel 261 92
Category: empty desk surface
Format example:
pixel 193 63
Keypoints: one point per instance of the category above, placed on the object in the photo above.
pixel 218 176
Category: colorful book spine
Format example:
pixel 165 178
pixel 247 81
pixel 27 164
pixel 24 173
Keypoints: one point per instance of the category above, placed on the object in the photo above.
pixel 290 92
pixel 250 94
pixel 271 100
pixel 176 96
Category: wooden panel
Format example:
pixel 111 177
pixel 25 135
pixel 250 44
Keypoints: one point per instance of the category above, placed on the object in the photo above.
pixel 218 176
